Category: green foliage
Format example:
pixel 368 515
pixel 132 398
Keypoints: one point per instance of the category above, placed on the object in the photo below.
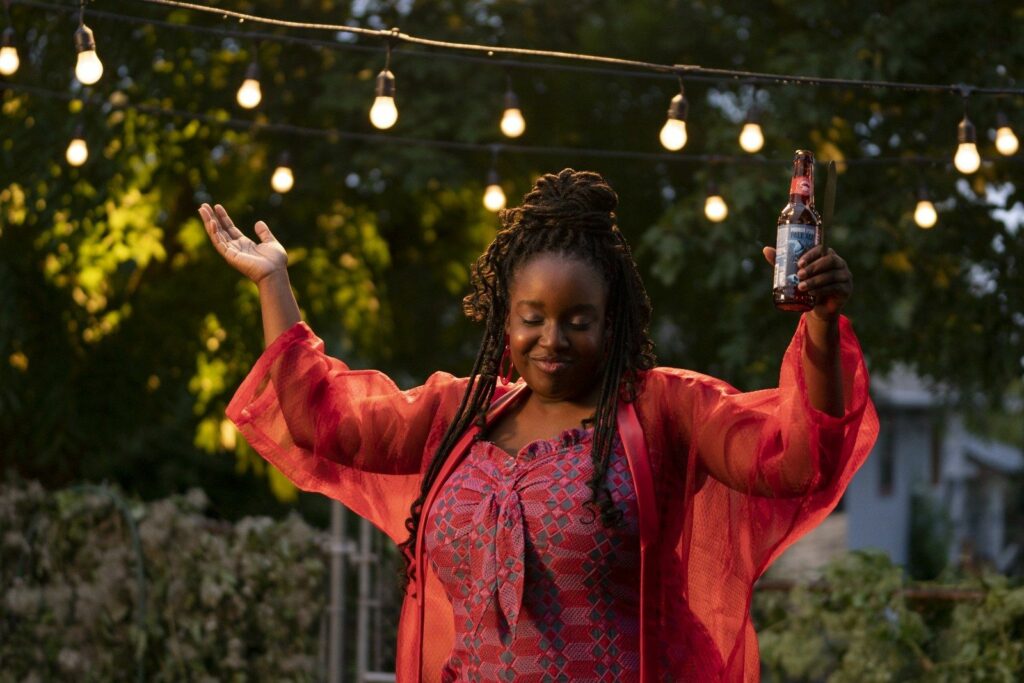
pixel 240 601
pixel 860 626
pixel 107 285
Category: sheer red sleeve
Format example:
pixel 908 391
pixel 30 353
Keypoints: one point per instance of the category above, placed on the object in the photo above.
pixel 349 434
pixel 758 470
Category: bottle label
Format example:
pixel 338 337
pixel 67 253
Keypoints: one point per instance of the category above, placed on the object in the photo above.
pixel 801 185
pixel 792 241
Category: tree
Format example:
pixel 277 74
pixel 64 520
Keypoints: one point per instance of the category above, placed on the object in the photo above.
pixel 124 336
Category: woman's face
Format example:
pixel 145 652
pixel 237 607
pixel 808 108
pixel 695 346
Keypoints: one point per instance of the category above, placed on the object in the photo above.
pixel 556 326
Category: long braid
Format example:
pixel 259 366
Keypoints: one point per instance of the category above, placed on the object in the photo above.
pixel 571 213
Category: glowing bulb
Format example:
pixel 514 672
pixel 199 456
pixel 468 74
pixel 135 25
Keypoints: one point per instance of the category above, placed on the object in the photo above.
pixel 494 198
pixel 751 138
pixel 249 94
pixel 966 159
pixel 384 113
pixel 9 61
pixel 1006 141
pixel 78 151
pixel 673 133
pixel 715 207
pixel 282 180
pixel 925 215
pixel 89 68
pixel 512 123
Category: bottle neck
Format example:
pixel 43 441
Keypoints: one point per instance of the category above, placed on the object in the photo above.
pixel 801 187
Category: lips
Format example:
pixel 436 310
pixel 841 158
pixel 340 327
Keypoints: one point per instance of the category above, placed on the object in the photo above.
pixel 551 366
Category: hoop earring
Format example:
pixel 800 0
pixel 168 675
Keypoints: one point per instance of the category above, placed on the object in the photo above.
pixel 506 357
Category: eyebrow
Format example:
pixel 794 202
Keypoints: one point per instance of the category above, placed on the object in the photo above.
pixel 589 308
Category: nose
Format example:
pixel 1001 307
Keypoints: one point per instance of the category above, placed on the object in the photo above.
pixel 553 336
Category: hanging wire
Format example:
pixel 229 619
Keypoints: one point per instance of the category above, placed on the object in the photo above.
pixel 333 134
pixel 627 67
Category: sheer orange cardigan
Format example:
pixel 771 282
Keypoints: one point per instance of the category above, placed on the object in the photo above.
pixel 725 481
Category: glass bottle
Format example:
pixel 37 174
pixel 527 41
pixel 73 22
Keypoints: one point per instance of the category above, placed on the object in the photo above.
pixel 799 229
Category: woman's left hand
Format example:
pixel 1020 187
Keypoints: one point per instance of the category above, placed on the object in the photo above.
pixel 825 275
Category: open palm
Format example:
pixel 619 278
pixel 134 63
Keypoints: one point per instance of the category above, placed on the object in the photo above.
pixel 255 260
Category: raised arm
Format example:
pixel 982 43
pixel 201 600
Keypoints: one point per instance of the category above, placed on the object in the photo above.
pixel 264 262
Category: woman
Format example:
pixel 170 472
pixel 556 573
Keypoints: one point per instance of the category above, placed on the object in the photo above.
pixel 600 519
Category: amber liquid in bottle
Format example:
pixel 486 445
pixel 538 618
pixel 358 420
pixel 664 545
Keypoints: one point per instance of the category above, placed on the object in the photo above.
pixel 799 229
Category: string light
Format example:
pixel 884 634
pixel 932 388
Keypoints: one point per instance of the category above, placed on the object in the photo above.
pixel 673 133
pixel 715 207
pixel 89 68
pixel 384 112
pixel 966 159
pixel 512 122
pixel 283 179
pixel 1006 141
pixel 751 137
pixel 9 61
pixel 925 214
pixel 494 196
pixel 77 152
pixel 249 93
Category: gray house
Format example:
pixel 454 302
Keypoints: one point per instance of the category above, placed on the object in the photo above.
pixel 922 449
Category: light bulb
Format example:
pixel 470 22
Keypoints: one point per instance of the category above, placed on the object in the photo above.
pixel 925 215
pixel 494 198
pixel 1006 141
pixel 384 113
pixel 512 122
pixel 78 151
pixel 89 68
pixel 751 138
pixel 715 207
pixel 673 133
pixel 282 180
pixel 966 159
pixel 9 61
pixel 249 94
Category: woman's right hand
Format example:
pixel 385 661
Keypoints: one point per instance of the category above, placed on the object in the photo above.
pixel 255 260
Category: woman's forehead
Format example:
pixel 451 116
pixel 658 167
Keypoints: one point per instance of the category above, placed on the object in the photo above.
pixel 557 276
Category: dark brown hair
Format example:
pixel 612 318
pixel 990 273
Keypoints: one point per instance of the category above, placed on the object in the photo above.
pixel 571 214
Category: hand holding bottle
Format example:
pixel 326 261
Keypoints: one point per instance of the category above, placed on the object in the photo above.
pixel 824 275
pixel 254 260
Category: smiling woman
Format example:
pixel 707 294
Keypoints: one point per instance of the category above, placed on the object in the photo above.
pixel 600 519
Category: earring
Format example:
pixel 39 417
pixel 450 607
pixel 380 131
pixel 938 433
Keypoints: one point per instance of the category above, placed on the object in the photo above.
pixel 506 357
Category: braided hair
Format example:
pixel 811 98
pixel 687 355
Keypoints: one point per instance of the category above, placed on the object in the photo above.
pixel 570 214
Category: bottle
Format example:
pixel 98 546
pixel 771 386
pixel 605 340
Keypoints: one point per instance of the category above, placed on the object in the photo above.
pixel 799 229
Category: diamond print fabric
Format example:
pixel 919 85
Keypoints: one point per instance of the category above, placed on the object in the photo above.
pixel 540 589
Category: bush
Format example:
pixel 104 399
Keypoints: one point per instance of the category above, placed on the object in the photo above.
pixel 219 601
pixel 865 624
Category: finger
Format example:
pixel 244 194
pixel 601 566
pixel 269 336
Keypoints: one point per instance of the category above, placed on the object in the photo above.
pixel 811 255
pixel 769 255
pixel 263 232
pixel 213 231
pixel 831 279
pixel 226 223
pixel 830 261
